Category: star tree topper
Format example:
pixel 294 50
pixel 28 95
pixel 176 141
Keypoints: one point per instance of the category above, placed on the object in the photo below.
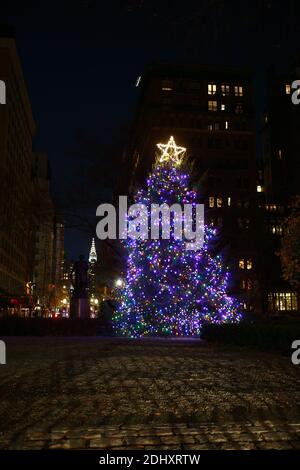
pixel 171 151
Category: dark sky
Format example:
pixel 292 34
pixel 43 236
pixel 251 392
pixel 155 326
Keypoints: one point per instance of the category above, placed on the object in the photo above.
pixel 81 59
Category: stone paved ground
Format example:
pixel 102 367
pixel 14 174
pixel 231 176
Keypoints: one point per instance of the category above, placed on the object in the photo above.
pixel 149 394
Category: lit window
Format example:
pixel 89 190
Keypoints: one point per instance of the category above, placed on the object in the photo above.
pixel 222 107
pixel 238 90
pixel 219 202
pixel 239 108
pixel 242 264
pixel 211 201
pixel 287 89
pixel 210 126
pixel 229 201
pixel 282 301
pixel 226 125
pixel 249 284
pixel 212 106
pixel 276 229
pixel 225 89
pixel 212 89
pixel 279 154
pixel 249 263
pixel 260 189
pixel 167 85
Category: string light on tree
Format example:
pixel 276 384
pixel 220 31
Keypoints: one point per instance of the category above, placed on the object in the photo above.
pixel 169 290
pixel 171 151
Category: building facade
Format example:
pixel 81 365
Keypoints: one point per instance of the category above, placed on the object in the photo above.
pixel 43 224
pixel 17 128
pixel 210 111
pixel 281 168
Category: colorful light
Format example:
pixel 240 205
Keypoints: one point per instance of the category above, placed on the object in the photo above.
pixel 170 290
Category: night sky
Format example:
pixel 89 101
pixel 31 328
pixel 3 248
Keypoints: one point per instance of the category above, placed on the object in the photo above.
pixel 81 59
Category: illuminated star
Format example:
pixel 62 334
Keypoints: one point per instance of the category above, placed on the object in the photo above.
pixel 171 151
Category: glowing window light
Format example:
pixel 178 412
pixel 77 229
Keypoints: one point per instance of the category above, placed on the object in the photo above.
pixel 219 202
pixel 242 264
pixel 212 105
pixel 211 201
pixel 211 89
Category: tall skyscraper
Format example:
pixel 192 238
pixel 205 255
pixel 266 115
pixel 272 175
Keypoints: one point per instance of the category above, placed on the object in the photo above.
pixel 43 214
pixel 93 253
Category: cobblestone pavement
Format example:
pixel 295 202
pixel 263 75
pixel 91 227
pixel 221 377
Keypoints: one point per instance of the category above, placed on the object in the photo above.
pixel 149 394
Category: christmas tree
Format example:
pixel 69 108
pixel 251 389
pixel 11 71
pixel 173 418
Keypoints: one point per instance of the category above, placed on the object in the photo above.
pixel 169 289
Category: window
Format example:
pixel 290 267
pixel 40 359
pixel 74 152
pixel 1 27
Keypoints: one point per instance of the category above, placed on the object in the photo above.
pixel 238 108
pixel 219 202
pixel 276 229
pixel 212 89
pixel 245 263
pixel 229 201
pixel 167 85
pixel 260 189
pixel 217 126
pixel 246 284
pixel 211 201
pixel 210 126
pixel 279 154
pixel 226 125
pixel 287 89
pixel 195 85
pixel 249 264
pixel 212 106
pixel 282 301
pixel 222 107
pixel 238 90
pixel 225 89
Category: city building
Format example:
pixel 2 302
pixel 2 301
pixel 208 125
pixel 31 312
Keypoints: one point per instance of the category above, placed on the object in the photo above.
pixel 17 128
pixel 209 110
pixel 281 170
pixel 43 213
pixel 58 269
